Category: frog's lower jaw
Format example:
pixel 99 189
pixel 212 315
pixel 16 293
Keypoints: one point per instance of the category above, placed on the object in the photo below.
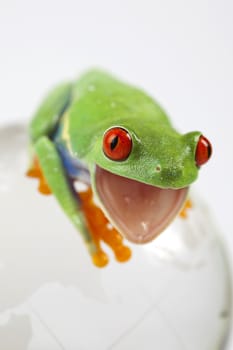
pixel 139 211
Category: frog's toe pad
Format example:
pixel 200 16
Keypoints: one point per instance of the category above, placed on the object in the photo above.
pixel 32 173
pixel 100 259
pixel 43 188
pixel 122 253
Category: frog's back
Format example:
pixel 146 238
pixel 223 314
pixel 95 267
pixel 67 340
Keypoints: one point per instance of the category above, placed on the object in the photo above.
pixel 101 96
pixel 92 103
pixel 100 101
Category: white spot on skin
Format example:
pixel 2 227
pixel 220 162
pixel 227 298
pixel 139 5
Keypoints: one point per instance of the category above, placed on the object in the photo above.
pixel 113 104
pixel 109 226
pixel 127 199
pixel 91 88
pixel 144 226
pixel 80 186
pixel 187 149
pixel 139 238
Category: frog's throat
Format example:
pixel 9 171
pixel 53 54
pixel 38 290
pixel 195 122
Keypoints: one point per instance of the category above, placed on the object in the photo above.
pixel 139 211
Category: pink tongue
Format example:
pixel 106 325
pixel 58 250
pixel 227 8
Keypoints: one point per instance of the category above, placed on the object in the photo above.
pixel 139 211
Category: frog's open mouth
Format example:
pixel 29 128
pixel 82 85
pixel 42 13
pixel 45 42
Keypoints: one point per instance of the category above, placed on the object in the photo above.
pixel 139 211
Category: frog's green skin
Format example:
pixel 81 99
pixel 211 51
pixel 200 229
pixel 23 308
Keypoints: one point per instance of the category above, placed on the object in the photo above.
pixel 72 121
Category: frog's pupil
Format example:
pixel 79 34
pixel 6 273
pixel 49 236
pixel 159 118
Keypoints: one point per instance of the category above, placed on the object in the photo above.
pixel 114 143
pixel 209 150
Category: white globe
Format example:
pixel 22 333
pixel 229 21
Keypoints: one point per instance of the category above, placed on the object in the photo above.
pixel 174 294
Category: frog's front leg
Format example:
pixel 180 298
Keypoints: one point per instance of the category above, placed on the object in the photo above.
pixel 184 211
pixel 101 229
pixel 62 188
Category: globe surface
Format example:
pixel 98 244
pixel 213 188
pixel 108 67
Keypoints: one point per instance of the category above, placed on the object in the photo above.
pixel 173 294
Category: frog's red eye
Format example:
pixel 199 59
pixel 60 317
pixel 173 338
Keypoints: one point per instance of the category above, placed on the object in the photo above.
pixel 117 144
pixel 203 151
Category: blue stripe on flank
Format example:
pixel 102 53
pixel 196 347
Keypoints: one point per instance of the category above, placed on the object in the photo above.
pixel 74 167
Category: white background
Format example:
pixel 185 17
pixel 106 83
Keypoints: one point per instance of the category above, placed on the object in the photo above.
pixel 181 52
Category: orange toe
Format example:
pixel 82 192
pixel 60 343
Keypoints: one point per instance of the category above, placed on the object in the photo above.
pixel 32 173
pixel 122 253
pixel 100 259
pixel 43 188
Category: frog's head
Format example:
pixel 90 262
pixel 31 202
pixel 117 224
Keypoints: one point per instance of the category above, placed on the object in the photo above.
pixel 141 177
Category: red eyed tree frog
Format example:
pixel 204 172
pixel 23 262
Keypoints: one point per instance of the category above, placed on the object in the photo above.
pixel 120 142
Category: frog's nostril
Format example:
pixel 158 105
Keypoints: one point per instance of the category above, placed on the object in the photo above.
pixel 158 169
pixel 203 151
pixel 171 173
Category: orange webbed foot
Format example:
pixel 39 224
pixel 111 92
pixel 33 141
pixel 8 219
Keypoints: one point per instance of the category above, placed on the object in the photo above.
pixel 35 172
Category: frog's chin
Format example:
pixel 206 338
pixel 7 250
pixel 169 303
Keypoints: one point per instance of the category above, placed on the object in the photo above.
pixel 139 211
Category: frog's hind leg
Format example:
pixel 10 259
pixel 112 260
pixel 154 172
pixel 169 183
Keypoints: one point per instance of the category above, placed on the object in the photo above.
pixel 50 111
pixel 62 189
pixel 44 123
